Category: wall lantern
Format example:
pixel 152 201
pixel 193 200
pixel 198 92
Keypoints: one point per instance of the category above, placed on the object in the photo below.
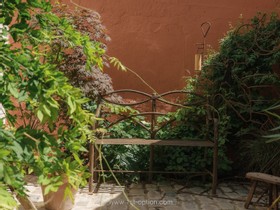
pixel 199 56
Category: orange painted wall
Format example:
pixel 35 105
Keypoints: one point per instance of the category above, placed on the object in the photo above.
pixel 157 38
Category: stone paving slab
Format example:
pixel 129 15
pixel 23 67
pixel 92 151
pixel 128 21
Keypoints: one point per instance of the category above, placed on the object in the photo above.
pixel 156 196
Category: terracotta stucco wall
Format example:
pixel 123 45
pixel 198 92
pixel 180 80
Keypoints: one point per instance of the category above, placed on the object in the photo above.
pixel 157 38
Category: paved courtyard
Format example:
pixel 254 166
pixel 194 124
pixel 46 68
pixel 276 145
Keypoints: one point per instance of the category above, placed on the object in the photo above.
pixel 159 196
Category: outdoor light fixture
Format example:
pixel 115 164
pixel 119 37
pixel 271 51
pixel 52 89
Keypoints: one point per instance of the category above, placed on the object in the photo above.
pixel 197 61
pixel 199 56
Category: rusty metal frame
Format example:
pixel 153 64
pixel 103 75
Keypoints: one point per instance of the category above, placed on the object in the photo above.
pixel 154 127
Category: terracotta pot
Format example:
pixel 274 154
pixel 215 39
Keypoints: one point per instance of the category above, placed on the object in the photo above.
pixel 56 201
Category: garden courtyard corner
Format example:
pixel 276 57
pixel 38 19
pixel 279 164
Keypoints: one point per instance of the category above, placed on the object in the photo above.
pixel 151 104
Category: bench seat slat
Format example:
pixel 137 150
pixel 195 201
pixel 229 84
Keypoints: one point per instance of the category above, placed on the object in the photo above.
pixel 184 143
pixel 263 177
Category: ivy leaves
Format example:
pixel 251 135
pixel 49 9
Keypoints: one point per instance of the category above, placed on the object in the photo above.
pixel 242 71
pixel 244 82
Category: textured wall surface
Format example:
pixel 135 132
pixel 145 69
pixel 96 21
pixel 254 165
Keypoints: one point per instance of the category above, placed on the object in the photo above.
pixel 157 38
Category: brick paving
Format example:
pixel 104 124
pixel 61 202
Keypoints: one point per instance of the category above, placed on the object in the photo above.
pixel 158 196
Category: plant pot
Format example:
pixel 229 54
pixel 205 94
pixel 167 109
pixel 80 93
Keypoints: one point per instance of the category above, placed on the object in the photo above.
pixel 56 201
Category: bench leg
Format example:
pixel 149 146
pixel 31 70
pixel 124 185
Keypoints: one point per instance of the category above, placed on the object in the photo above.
pixel 204 158
pixel 91 163
pixel 250 194
pixel 215 159
pixel 215 170
pixel 151 164
pixel 93 156
pixel 274 196
pixel 270 193
pixel 95 163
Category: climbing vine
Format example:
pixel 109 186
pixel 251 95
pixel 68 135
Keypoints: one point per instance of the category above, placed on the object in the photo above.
pixel 243 77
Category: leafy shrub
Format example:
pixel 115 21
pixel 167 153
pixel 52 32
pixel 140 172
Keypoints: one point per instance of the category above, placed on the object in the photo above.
pixel 190 124
pixel 32 84
pixel 244 80
pixel 127 157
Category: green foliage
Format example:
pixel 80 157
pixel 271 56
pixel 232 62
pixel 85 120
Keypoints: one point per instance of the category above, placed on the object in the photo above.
pixel 190 124
pixel 11 172
pixel 50 128
pixel 126 157
pixel 117 63
pixel 244 81
pixel 186 127
pixel 8 203
pixel 92 81
pixel 266 156
pixel 274 135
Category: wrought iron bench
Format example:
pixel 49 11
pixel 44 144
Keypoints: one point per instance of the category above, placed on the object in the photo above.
pixel 152 115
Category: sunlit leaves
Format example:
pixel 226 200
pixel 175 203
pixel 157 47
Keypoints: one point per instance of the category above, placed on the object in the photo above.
pixel 32 83
pixel 8 201
pixel 117 63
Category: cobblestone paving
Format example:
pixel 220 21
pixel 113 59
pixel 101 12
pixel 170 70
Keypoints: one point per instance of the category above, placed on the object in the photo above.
pixel 157 196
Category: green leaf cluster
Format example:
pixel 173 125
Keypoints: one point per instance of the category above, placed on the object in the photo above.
pixel 48 125
pixel 243 80
pixel 11 172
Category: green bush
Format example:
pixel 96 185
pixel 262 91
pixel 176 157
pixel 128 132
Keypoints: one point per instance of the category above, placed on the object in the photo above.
pixel 127 157
pixel 51 127
pixel 243 78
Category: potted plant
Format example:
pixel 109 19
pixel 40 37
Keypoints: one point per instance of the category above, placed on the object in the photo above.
pixel 59 189
pixel 59 168
pixel 46 117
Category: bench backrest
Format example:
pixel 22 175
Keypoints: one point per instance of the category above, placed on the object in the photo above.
pixel 152 106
